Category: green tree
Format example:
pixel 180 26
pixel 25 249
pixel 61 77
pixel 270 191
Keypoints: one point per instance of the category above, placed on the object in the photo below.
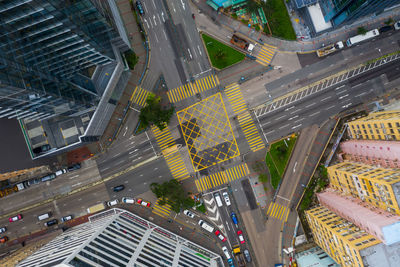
pixel 171 192
pixel 131 59
pixel 361 30
pixel 252 6
pixel 154 113
pixel 220 54
pixel 263 178
pixel 389 21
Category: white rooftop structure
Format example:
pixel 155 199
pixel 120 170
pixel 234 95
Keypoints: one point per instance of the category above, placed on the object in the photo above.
pixel 318 18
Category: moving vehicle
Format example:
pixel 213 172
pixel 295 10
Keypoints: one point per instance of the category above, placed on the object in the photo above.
pixel 118 188
pixel 41 149
pixel 241 43
pixel 206 226
pixel 3 229
pixel 226 253
pixel 218 199
pixel 234 218
pixel 188 213
pixel 96 208
pixel 66 218
pixel 226 198
pixel 247 256
pixel 238 256
pixel 362 37
pixel 220 236
pixel 128 200
pixel 3 239
pixel 74 167
pixel 15 218
pixel 143 203
pixel 240 236
pixel 323 51
pixel 51 222
pixel 112 202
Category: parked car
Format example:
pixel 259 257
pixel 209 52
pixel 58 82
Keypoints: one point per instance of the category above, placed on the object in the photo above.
pixel 3 229
pixel 385 28
pixel 188 213
pixel 51 222
pixel 74 167
pixel 33 181
pixel 241 238
pixel 15 218
pixel 41 149
pixel 234 218
pixel 112 202
pixel 397 25
pixel 3 239
pixel 60 171
pixel 143 203
pixel 139 7
pixel 247 255
pixel 220 236
pixel 226 198
pixel 66 218
pixel 128 200
pixel 48 177
pixel 118 188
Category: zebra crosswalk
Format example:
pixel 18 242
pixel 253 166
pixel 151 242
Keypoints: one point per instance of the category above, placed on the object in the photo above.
pixel 171 154
pixel 266 54
pixel 216 179
pixel 278 211
pixel 250 131
pixel 162 210
pixel 235 98
pixel 139 96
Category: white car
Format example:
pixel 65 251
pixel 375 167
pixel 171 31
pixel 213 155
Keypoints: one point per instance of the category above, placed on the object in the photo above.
pixel 188 213
pixel 226 252
pixel 112 202
pixel 226 197
pixel 397 25
pixel 66 218
pixel 128 200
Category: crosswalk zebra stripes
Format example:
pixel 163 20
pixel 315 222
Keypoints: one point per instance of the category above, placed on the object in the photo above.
pixel 266 54
pixel 139 96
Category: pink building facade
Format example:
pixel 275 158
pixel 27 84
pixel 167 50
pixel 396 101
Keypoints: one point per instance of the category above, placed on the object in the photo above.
pixel 381 224
pixel 380 153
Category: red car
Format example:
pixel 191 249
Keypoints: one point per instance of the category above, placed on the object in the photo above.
pixel 143 203
pixel 15 218
pixel 220 236
pixel 240 235
pixel 3 239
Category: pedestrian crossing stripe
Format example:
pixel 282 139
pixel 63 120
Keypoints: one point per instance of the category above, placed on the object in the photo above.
pixel 139 96
pixel 162 210
pixel 250 132
pixel 278 211
pixel 180 93
pixel 235 98
pixel 173 158
pixel 266 54
pixel 223 177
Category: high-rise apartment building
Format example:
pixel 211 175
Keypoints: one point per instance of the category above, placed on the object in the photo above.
pixel 49 51
pixel 384 154
pixel 378 186
pixel 347 244
pixel 119 238
pixel 340 11
pixel 384 125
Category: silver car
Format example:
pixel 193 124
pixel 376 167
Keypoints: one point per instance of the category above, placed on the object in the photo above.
pixel 3 229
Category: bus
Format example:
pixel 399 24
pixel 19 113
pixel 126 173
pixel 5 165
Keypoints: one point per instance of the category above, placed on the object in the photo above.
pixel 362 37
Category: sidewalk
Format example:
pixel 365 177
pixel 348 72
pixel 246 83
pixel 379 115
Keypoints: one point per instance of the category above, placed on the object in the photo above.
pixel 340 34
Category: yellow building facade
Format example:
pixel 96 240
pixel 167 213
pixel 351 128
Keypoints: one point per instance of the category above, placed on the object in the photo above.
pixel 339 238
pixel 383 125
pixel 378 186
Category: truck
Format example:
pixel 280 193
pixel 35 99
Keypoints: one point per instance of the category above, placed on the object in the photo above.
pixel 238 256
pixel 241 43
pixel 362 37
pixel 323 51
pixel 96 208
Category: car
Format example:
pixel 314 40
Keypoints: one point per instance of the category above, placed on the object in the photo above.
pixel 112 202
pixel 220 236
pixel 33 181
pixel 74 167
pixel 234 218
pixel 51 222
pixel 118 188
pixel 60 171
pixel 66 218
pixel 193 16
pixel 143 203
pixel 3 239
pixel 15 218
pixel 397 25
pixel 3 229
pixel 128 200
pixel 241 238
pixel 188 213
pixel 48 177
pixel 226 252
pixel 226 198
pixel 247 255
pixel 139 7
pixel 385 28
pixel 41 149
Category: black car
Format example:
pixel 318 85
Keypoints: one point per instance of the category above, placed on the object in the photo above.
pixel 51 222
pixel 385 29
pixel 139 7
pixel 41 149
pixel 76 166
pixel 33 181
pixel 118 188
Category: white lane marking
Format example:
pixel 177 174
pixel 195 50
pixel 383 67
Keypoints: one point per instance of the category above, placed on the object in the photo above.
pixel 119 162
pixel 145 8
pixel 156 38
pixel 77 185
pixel 198 47
pixel 326 98
pixel 315 113
pixel 154 19
pixel 337 88
pixel 296 126
pixel 76 176
pixel 153 3
pixel 293 117
pixel 116 155
pixel 294 168
pixel 312 104
pixel 270 132
pixel 159 18
pixel 361 94
pixel 151 23
pixel 134 151
pixel 280 117
pixel 106 168
pixel 330 107
pixel 289 108
pixel 190 54
pixel 299 120
pixel 165 35
pixel 126 130
pixel 343 96
pixel 357 85
pixel 183 5
pixel 162 16
pixel 284 126
pixel 347 105
pixel 173 7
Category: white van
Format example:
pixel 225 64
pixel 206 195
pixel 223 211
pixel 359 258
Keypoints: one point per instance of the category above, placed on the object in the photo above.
pixel 226 252
pixel 206 226
pixel 128 200
pixel 44 216
pixel 218 199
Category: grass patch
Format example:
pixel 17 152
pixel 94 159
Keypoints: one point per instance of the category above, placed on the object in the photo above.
pixel 221 55
pixel 201 208
pixel 278 19
pixel 277 158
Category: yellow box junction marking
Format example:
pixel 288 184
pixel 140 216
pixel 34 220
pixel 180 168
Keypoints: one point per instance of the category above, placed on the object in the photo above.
pixel 266 54
pixel 250 132
pixel 207 132
pixel 189 89
pixel 139 96
pixel 172 157
pixel 278 211
pixel 162 210
pixel 223 177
